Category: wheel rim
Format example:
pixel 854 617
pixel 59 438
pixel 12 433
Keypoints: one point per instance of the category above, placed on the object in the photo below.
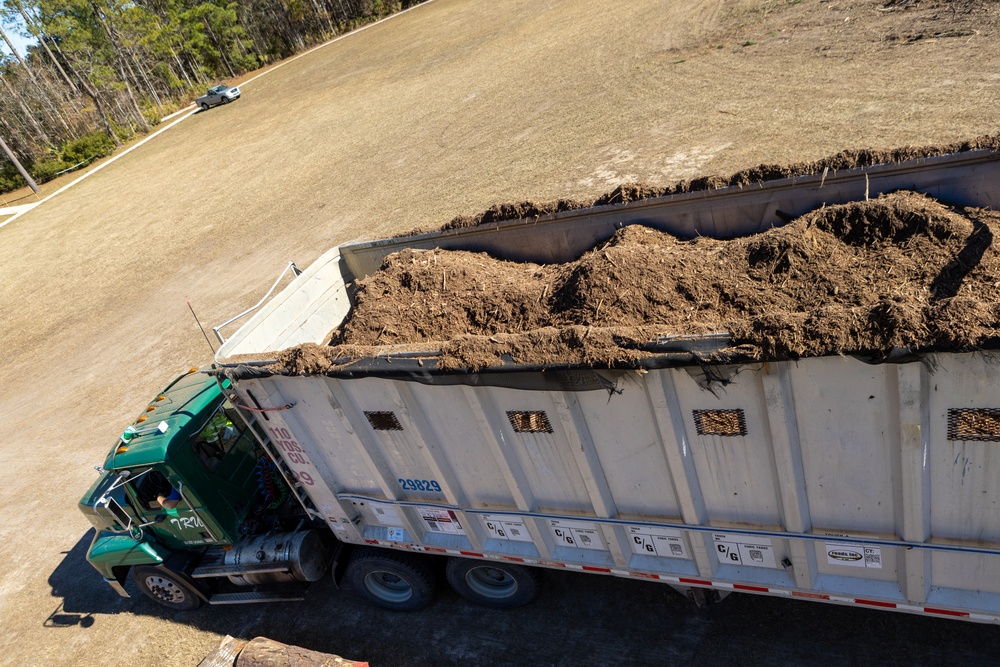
pixel 388 586
pixel 165 590
pixel 491 582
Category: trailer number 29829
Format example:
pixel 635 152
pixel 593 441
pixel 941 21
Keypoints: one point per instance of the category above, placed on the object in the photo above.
pixel 419 485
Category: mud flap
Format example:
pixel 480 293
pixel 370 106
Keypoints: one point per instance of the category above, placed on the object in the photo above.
pixel 703 598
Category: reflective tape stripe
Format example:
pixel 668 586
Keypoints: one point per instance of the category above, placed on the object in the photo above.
pixel 696 582
pixel 755 589
pixel 811 596
pixel 875 603
pixel 947 612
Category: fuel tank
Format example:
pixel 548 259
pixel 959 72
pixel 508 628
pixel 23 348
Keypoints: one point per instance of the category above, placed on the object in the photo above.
pixel 300 555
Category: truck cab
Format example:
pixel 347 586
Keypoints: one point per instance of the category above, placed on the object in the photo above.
pixel 195 447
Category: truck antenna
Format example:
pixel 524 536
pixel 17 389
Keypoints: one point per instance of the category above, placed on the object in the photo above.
pixel 201 327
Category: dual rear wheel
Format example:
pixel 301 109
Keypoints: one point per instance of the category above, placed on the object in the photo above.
pixel 406 582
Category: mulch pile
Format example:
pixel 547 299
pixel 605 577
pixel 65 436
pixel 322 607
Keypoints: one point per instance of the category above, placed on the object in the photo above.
pixel 903 270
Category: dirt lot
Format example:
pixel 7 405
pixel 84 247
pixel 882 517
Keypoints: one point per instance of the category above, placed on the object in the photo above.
pixel 442 111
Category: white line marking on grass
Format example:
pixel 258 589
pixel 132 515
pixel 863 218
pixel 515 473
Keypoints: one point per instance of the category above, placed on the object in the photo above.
pixel 191 113
pixel 177 113
pixel 20 208
pixel 97 168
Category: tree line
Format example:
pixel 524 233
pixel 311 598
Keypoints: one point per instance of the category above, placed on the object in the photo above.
pixel 100 71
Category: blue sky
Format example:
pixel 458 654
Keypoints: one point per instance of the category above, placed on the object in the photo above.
pixel 14 29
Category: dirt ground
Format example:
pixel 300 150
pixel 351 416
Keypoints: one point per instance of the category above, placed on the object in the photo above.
pixel 440 112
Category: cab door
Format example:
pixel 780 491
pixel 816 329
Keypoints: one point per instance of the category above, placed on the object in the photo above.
pixel 180 526
pixel 221 461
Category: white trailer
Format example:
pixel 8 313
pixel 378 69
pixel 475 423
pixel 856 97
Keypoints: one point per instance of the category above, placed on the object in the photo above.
pixel 828 479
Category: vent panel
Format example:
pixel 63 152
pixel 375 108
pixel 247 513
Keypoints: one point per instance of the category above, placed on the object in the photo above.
pixel 981 424
pixel 384 421
pixel 529 422
pixel 720 422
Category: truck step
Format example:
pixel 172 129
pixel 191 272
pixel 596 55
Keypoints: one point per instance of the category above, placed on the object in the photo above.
pixel 213 570
pixel 287 594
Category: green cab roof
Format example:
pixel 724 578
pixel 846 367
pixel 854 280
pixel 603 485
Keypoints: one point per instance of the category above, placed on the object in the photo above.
pixel 170 419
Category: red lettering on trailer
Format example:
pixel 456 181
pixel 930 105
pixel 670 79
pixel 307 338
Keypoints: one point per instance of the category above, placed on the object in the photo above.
pixel 875 603
pixel 471 553
pixel 946 612
pixel 590 568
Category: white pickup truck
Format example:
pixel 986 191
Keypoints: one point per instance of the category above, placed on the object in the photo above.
pixel 221 94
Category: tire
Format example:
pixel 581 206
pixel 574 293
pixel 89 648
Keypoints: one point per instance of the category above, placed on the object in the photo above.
pixel 225 100
pixel 204 106
pixel 493 584
pixel 166 587
pixel 391 580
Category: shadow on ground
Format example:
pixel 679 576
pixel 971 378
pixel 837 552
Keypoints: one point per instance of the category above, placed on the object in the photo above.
pixel 577 619
pixel 81 592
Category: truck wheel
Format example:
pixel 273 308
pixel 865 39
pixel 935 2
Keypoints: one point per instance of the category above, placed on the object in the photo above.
pixel 225 100
pixel 165 587
pixel 204 106
pixel 391 580
pixel 497 585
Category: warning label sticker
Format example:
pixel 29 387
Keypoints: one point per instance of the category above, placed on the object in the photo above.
pixel 853 555
pixel 743 550
pixel 504 527
pixel 653 541
pixel 441 521
pixel 386 515
pixel 579 534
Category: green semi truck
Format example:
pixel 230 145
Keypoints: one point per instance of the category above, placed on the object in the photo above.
pixel 234 525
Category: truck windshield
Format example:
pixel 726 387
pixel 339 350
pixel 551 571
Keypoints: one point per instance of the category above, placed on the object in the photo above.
pixel 217 437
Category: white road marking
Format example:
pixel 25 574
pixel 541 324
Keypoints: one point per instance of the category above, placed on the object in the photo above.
pixel 96 169
pixel 20 208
